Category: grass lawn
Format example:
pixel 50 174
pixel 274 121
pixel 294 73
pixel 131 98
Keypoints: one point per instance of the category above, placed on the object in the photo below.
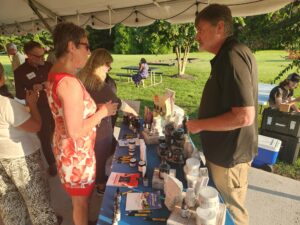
pixel 188 92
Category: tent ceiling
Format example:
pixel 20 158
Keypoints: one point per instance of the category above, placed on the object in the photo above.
pixel 17 17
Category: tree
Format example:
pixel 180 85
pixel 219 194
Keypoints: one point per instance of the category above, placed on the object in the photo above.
pixel 121 44
pixel 277 30
pixel 101 38
pixel 288 21
pixel 183 37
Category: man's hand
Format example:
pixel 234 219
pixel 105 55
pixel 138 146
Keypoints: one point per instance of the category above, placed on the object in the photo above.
pixel 193 126
pixel 37 87
pixel 31 97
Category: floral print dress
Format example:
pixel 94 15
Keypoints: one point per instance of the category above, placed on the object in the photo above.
pixel 75 159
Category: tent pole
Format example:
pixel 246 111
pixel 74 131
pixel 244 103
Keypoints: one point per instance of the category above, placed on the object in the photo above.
pixel 36 11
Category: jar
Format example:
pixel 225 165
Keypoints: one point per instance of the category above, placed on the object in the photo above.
pixel 142 165
pixel 131 152
pixel 163 149
pixel 131 144
pixel 164 168
pixel 178 134
pixel 132 162
pixel 161 139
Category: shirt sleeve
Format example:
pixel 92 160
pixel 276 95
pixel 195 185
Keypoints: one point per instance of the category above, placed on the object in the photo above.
pixel 106 94
pixel 15 113
pixel 240 81
pixel 20 92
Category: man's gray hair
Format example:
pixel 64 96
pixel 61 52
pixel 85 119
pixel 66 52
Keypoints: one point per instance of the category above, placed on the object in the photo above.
pixel 11 46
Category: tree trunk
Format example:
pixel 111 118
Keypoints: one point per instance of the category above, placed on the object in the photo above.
pixel 179 62
pixel 184 60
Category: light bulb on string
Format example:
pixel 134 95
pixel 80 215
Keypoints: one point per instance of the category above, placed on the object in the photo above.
pixel 197 10
pixel 92 17
pixel 136 16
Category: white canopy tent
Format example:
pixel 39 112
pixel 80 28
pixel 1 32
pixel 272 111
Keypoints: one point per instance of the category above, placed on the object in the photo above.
pixel 23 16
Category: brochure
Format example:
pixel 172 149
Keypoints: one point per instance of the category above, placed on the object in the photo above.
pixel 123 179
pixel 143 200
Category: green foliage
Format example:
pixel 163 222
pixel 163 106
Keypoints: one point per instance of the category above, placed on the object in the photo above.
pixel 101 38
pixel 43 37
pixel 278 30
pixel 142 40
pixel 121 40
pixel 287 170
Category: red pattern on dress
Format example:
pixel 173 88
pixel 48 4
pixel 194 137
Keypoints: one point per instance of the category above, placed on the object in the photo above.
pixel 75 159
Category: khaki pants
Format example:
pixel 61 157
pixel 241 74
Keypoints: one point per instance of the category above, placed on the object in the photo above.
pixel 232 183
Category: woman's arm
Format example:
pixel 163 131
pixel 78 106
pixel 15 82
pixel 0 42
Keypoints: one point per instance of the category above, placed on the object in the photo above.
pixel 141 67
pixel 70 93
pixel 127 108
pixel 34 123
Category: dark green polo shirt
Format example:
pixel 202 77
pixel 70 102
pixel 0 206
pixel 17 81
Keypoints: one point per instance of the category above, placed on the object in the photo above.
pixel 232 83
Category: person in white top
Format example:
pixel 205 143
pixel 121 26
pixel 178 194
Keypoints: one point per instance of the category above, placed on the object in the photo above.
pixel 23 186
pixel 17 57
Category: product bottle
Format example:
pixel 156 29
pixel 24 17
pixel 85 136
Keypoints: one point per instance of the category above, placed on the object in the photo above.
pixel 164 168
pixel 184 210
pixel 117 211
pixel 145 181
pixel 118 196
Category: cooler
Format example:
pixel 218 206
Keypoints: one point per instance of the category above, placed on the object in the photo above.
pixel 268 149
pixel 290 146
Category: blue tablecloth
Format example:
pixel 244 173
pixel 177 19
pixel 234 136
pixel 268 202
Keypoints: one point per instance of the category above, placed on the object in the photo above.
pixel 106 210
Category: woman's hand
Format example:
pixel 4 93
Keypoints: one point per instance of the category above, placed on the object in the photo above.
pixel 108 109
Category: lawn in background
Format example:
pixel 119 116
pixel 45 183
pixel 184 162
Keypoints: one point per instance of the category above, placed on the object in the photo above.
pixel 188 92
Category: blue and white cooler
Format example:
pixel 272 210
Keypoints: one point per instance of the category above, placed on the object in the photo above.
pixel 268 149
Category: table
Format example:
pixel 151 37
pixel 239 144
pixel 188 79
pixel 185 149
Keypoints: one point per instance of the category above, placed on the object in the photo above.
pixel 263 94
pixel 152 71
pixel 106 210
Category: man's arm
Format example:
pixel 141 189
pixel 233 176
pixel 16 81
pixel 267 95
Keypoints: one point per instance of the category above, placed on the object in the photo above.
pixel 236 118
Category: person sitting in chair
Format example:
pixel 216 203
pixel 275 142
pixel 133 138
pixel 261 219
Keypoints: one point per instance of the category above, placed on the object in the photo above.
pixel 283 93
pixel 142 73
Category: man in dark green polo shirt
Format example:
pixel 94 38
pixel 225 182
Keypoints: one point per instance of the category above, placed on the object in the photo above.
pixel 227 114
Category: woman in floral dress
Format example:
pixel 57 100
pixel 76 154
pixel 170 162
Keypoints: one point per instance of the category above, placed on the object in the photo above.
pixel 75 115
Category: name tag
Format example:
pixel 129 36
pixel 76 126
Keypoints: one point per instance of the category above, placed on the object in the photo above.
pixel 30 75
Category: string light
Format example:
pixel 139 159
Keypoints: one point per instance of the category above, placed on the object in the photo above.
pixel 136 16
pixel 197 10
pixel 92 17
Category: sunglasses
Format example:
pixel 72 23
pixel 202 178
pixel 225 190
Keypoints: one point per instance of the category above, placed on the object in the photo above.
pixel 87 46
pixel 38 56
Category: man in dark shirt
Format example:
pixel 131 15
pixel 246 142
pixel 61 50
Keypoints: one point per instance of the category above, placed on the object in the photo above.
pixel 227 114
pixel 32 75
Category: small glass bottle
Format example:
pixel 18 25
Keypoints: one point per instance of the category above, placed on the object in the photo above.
pixel 141 167
pixel 117 211
pixel 164 168
pixel 118 196
pixel 145 181
pixel 190 198
pixel 184 210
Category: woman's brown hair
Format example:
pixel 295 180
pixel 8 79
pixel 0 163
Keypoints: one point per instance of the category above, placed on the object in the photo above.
pixel 87 75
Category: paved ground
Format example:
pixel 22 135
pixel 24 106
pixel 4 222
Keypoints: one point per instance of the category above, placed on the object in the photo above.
pixel 273 199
